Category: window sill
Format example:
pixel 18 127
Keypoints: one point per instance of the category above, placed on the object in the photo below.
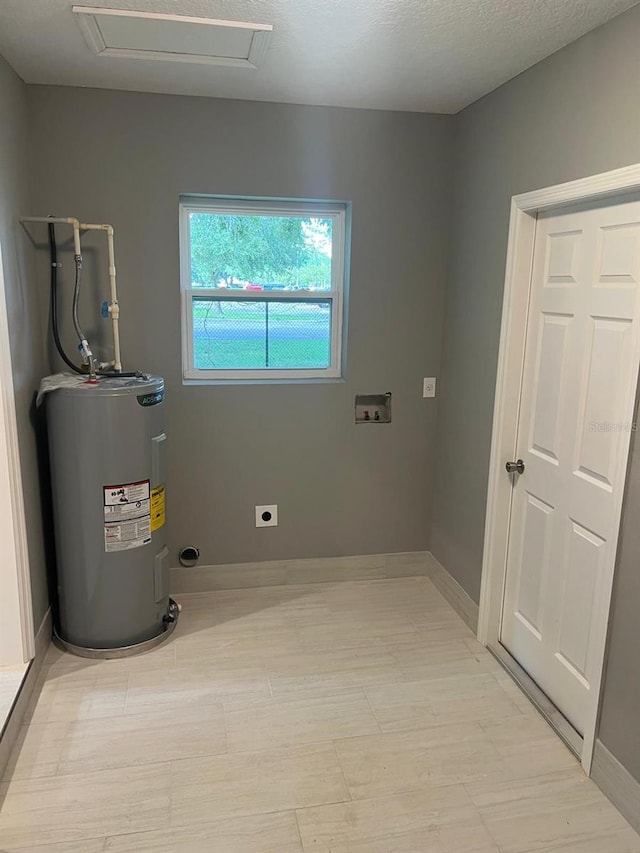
pixel 320 380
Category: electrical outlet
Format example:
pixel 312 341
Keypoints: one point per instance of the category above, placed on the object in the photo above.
pixel 429 387
pixel 267 516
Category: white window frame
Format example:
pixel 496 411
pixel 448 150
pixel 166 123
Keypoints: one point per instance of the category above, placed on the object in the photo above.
pixel 335 211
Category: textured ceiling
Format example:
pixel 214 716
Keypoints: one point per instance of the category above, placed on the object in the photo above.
pixel 420 55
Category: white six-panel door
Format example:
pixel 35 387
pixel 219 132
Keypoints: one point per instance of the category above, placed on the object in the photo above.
pixel 576 410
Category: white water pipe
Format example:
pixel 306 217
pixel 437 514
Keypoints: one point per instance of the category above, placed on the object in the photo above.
pixel 114 308
pixel 64 220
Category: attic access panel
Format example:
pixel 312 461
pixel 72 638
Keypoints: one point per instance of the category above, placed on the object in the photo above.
pixel 172 38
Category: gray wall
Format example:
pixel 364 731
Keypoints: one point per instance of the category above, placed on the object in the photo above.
pixel 575 114
pixel 125 158
pixel 23 312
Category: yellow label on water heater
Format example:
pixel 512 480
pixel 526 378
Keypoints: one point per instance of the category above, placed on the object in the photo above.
pixel 157 508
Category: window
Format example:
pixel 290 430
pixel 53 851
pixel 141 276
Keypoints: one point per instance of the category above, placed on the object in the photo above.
pixel 262 289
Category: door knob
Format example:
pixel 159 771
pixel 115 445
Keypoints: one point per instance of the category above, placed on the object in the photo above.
pixel 512 467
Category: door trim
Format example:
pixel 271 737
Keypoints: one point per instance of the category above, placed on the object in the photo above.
pixel 522 229
pixel 17 613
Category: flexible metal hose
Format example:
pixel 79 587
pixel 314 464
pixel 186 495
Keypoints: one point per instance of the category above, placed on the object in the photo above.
pixel 76 297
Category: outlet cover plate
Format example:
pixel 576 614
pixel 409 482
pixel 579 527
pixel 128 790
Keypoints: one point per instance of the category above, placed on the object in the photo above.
pixel 269 510
pixel 429 387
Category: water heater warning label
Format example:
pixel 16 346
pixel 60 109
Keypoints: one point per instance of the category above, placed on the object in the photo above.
pixel 157 507
pixel 127 516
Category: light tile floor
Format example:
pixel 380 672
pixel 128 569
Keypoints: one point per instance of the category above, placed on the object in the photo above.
pixel 354 717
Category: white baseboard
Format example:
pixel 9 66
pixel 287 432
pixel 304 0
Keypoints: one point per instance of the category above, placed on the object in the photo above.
pixel 617 783
pixel 16 715
pixel 285 572
pixel 460 600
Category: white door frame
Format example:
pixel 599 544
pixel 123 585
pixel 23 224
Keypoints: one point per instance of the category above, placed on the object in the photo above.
pixel 17 639
pixel 522 228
